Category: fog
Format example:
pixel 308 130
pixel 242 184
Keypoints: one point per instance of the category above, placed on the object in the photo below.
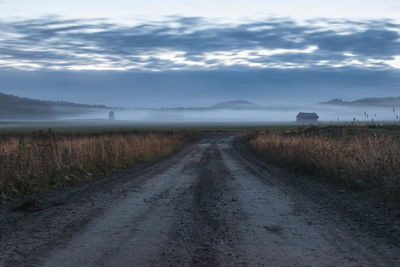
pixel 326 113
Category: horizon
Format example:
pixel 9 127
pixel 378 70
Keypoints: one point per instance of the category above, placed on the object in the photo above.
pixel 237 111
pixel 208 106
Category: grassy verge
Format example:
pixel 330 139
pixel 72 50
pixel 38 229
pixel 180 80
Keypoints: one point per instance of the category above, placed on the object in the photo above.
pixel 355 157
pixel 41 161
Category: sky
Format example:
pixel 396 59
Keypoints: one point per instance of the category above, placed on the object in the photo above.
pixel 194 53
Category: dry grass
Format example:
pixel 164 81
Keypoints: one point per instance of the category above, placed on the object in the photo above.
pixel 45 160
pixel 370 161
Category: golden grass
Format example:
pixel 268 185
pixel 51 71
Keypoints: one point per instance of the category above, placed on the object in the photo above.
pixel 45 160
pixel 361 161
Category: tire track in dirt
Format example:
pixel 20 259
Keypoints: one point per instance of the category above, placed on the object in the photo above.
pixel 203 234
pixel 133 228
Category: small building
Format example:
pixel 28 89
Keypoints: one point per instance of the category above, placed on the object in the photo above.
pixel 305 117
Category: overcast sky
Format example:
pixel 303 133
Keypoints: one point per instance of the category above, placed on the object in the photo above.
pixel 180 53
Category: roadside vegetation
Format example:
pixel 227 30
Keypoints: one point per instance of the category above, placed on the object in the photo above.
pixel 41 161
pixel 356 157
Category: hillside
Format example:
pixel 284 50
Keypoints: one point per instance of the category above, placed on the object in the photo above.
pixel 371 101
pixel 17 108
pixel 236 104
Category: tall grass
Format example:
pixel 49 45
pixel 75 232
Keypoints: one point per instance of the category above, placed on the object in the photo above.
pixel 45 160
pixel 359 161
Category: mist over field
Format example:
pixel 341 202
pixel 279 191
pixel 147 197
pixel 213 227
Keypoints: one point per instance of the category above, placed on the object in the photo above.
pixel 14 108
pixel 326 113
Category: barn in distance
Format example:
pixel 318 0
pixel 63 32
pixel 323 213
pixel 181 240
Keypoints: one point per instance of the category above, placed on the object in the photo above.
pixel 304 117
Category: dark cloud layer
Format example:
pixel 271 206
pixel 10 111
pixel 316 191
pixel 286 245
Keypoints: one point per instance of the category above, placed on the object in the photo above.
pixel 97 44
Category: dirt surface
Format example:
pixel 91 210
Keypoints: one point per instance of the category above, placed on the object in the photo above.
pixel 211 203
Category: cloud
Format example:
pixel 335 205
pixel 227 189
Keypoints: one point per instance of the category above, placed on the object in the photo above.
pixel 184 43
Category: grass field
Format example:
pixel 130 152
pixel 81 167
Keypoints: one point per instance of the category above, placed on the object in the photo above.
pixel 40 161
pixel 33 159
pixel 104 125
pixel 357 157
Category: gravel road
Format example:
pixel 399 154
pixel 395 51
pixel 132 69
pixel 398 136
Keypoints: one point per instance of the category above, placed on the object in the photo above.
pixel 209 204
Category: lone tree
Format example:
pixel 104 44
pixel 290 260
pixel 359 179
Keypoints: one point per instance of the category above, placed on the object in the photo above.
pixel 111 115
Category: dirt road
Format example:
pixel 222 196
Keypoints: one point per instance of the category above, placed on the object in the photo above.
pixel 209 204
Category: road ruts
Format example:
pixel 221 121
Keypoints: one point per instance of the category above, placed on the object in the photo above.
pixel 210 204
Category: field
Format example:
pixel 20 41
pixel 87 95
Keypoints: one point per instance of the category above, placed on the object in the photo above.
pixel 43 160
pixel 104 125
pixel 355 157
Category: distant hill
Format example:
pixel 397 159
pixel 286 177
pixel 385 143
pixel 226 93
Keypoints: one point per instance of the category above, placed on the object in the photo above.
pixel 236 104
pixel 371 101
pixel 14 107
